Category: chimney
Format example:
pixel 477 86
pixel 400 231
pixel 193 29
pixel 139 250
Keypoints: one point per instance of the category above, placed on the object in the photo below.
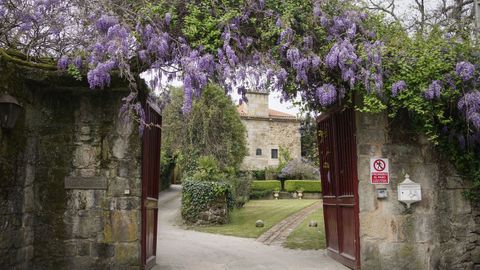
pixel 257 104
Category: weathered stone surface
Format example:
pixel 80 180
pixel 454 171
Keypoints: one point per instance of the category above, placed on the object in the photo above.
pixel 122 226
pixel 266 133
pixel 127 254
pixel 67 134
pixel 88 183
pixel 439 232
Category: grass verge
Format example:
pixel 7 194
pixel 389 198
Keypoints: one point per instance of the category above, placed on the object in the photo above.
pixel 304 237
pixel 242 221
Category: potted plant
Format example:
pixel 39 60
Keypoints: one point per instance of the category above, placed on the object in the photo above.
pixel 300 193
pixel 276 193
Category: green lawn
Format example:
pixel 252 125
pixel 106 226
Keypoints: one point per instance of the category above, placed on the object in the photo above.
pixel 304 237
pixel 242 222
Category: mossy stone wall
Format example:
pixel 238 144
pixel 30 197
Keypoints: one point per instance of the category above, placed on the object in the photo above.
pixel 440 232
pixel 68 131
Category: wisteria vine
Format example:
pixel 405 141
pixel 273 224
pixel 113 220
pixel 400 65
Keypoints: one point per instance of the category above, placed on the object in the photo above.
pixel 319 50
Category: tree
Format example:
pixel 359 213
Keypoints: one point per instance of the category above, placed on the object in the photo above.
pixel 308 139
pixel 324 52
pixel 212 128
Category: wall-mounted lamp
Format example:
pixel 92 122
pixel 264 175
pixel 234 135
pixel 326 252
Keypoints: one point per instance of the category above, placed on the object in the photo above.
pixel 10 109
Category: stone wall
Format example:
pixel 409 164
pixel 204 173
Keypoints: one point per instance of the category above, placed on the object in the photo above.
pixel 16 186
pixel 70 185
pixel 440 232
pixel 267 134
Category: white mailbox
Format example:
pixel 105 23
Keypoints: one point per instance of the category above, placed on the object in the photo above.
pixel 409 192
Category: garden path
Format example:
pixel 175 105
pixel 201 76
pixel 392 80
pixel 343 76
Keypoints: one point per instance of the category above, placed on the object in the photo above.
pixel 178 248
pixel 280 231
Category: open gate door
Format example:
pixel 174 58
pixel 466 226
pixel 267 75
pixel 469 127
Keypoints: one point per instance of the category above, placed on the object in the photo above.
pixel 338 170
pixel 150 182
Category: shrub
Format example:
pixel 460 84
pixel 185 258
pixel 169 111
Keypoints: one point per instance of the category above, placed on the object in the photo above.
pixel 299 169
pixel 259 194
pixel 259 175
pixel 197 195
pixel 242 187
pixel 306 185
pixel 207 170
pixel 266 185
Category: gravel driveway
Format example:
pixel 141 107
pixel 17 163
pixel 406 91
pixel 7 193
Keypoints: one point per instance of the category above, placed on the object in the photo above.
pixel 178 248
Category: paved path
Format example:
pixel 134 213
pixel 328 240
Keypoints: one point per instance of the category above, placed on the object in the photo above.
pixel 280 231
pixel 184 249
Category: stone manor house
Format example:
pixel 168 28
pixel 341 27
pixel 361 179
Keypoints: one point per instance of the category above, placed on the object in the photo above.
pixel 267 131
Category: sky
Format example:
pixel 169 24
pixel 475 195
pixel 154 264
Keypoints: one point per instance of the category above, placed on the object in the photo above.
pixel 273 98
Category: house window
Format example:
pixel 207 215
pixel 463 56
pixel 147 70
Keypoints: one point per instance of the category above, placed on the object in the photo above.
pixel 259 152
pixel 274 153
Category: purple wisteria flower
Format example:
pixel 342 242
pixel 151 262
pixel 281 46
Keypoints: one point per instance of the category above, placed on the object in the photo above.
pixel 469 104
pixel 326 94
pixel 465 70
pixel 168 18
pixel 105 22
pixel 433 90
pixel 78 62
pixel 398 87
pixel 63 62
pixel 99 77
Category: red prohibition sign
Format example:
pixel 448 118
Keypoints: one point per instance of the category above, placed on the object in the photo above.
pixel 379 165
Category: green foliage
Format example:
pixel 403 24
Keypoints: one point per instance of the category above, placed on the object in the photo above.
pixel 418 60
pixel 207 170
pixel 74 72
pixel 305 185
pixel 259 174
pixel 213 128
pixel 197 195
pixel 267 185
pixel 309 147
pixel 260 194
pixel 241 189
pixel 167 166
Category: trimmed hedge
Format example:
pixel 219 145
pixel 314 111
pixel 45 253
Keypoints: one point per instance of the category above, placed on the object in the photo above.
pixel 196 195
pixel 260 194
pixel 267 185
pixel 307 185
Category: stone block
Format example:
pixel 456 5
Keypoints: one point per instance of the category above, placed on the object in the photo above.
pixel 405 256
pixel 125 203
pixel 127 254
pixel 83 248
pixel 122 226
pixel 476 255
pixel 455 182
pixel 87 183
pixel 71 248
pixel 368 150
pixel 85 157
pixel 103 250
pixel 369 254
pixel 120 147
pixel 423 228
pixel 402 153
pixel 78 263
pixel 87 226
pixel 457 204
pixel 117 186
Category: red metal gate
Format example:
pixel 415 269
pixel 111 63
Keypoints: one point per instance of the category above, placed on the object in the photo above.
pixel 150 181
pixel 338 169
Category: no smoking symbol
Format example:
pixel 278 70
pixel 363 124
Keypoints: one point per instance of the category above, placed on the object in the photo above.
pixel 379 165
